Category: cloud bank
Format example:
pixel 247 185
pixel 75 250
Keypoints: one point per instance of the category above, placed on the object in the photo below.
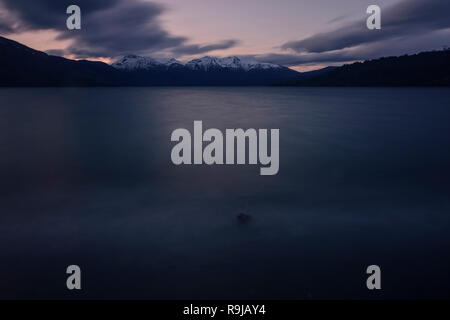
pixel 110 28
pixel 196 49
pixel 409 25
pixel 114 28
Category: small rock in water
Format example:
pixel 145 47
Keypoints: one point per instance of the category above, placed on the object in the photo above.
pixel 244 218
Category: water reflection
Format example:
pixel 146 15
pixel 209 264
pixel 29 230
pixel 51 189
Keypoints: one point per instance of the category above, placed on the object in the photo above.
pixel 86 177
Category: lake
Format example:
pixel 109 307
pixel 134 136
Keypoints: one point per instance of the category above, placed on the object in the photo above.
pixel 86 178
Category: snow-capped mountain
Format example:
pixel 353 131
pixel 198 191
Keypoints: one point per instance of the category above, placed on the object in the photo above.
pixel 134 63
pixel 206 63
pixel 208 71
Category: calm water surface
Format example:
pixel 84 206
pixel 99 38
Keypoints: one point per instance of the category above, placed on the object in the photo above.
pixel 86 178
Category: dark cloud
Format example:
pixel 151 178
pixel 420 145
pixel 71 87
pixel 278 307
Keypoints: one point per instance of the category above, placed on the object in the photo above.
pixel 5 28
pixel 405 19
pixel 48 14
pixel 127 27
pixel 310 58
pixel 196 49
pixel 110 28
pixel 339 18
pixel 391 47
pixel 7 21
pixel 55 52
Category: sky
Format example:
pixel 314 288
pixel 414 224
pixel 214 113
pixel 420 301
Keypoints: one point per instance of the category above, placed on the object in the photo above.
pixel 302 34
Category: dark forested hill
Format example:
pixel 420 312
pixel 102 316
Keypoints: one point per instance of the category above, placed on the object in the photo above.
pixel 23 66
pixel 423 69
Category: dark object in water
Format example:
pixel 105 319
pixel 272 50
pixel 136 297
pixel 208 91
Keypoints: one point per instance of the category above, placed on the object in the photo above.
pixel 244 218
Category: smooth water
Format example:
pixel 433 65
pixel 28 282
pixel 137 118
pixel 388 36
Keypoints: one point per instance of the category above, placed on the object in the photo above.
pixel 86 178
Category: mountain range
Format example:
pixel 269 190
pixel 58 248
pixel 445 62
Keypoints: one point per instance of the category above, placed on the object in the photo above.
pixel 204 71
pixel 133 63
pixel 23 66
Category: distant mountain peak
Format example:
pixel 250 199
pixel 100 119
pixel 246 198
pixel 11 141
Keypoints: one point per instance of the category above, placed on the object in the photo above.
pixel 232 62
pixel 133 62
